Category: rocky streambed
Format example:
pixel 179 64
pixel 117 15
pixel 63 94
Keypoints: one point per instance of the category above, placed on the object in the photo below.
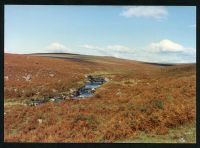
pixel 88 90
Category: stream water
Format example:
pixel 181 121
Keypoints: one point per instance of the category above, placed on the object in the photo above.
pixel 90 87
pixel 87 90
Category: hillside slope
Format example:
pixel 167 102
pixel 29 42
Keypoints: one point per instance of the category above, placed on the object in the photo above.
pixel 139 97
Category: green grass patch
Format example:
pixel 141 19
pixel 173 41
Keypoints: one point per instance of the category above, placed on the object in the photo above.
pixel 158 104
pixel 170 98
pixel 182 134
pixel 78 106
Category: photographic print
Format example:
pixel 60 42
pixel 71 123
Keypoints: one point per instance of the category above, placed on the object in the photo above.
pixel 99 74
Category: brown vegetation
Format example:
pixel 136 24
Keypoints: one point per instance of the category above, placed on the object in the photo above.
pixel 138 98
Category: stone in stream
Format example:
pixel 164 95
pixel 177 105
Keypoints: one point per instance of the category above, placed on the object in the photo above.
pixel 96 79
pixel 106 79
pixel 57 99
pixel 72 90
pixel 66 97
pixel 90 77
pixel 52 99
pixel 36 102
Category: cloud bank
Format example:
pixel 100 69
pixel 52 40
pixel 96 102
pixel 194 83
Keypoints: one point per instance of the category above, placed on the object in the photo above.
pixel 57 47
pixel 116 48
pixel 164 51
pixel 166 46
pixel 111 50
pixel 155 12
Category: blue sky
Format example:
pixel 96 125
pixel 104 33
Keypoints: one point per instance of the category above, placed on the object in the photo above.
pixel 165 34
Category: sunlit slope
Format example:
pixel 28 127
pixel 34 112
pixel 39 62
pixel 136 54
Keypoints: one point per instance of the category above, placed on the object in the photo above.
pixel 139 97
pixel 30 75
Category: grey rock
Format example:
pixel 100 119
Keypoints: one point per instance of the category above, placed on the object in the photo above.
pixel 6 78
pixel 51 75
pixel 52 100
pixel 67 98
pixel 54 90
pixel 27 78
pixel 39 121
pixel 106 79
pixel 71 90
pixel 182 140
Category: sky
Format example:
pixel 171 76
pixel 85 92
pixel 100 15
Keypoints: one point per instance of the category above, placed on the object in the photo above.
pixel 164 34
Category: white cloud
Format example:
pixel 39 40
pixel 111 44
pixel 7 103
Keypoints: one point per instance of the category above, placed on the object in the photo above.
pixel 155 12
pixel 167 46
pixel 111 48
pixel 8 50
pixel 92 47
pixel 120 48
pixel 173 52
pixel 57 47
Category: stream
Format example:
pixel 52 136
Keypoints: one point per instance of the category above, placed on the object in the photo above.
pixel 88 90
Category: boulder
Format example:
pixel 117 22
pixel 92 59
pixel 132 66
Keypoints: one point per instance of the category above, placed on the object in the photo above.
pixel 66 97
pixel 6 78
pixel 52 100
pixel 182 140
pixel 72 90
pixel 51 75
pixel 54 90
pixel 106 79
pixel 28 77
pixel 39 121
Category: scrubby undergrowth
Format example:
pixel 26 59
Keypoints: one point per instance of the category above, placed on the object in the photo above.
pixel 138 98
